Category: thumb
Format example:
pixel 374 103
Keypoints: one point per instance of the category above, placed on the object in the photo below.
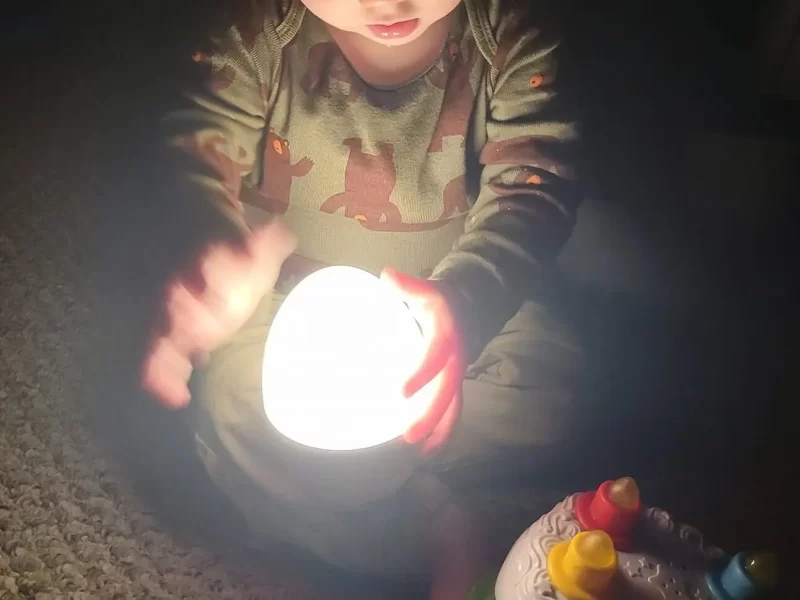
pixel 272 242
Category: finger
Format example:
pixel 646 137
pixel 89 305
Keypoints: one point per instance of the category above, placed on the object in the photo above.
pixel 177 369
pixel 444 429
pixel 165 373
pixel 447 382
pixel 216 298
pixel 230 286
pixel 439 352
pixel 192 327
pixel 195 278
pixel 221 267
pixel 272 242
pixel 415 288
pixel 170 370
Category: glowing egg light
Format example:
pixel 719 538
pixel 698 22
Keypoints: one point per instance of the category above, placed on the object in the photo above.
pixel 336 357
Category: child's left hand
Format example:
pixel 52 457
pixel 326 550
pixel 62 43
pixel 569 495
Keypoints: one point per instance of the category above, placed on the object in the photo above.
pixel 442 367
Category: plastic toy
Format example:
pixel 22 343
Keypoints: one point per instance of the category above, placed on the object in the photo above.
pixel 605 545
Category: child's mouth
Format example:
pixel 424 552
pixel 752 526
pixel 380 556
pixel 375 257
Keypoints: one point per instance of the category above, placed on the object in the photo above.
pixel 394 31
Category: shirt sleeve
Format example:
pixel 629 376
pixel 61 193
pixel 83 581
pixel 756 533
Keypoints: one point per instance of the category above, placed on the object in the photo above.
pixel 213 139
pixel 525 208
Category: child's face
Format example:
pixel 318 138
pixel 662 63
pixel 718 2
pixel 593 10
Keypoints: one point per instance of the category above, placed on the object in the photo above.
pixel 392 22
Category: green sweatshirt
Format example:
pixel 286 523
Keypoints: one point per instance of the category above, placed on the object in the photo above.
pixel 456 176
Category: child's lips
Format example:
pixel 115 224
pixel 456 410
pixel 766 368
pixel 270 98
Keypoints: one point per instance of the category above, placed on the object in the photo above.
pixel 394 31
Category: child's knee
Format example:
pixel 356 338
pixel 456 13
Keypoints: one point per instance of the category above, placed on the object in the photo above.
pixel 231 377
pixel 537 348
pixel 525 383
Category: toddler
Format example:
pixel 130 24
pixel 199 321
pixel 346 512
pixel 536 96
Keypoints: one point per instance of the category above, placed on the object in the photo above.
pixel 417 139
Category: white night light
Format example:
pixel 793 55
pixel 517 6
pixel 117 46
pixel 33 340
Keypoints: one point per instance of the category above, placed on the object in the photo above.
pixel 337 355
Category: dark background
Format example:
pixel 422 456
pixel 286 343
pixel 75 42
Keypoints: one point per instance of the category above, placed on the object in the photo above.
pixel 682 139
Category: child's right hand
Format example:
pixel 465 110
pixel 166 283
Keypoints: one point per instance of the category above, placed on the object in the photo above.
pixel 209 304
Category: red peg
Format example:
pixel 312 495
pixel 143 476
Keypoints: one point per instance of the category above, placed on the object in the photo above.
pixel 599 510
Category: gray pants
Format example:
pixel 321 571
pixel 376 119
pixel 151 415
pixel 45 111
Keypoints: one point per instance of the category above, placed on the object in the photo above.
pixel 371 510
